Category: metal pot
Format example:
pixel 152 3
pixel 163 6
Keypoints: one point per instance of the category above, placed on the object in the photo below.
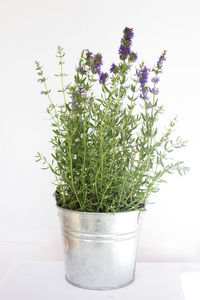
pixel 100 249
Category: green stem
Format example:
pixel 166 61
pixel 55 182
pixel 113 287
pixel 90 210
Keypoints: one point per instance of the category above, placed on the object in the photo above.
pixel 98 171
pixel 61 77
pixel 71 170
pixel 101 135
pixel 129 113
pixel 54 108
pixel 148 190
pixel 101 129
pixel 136 181
pixel 150 140
pixel 84 140
pixel 62 84
pixel 56 115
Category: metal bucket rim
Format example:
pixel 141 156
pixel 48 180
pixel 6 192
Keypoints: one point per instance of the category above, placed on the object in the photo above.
pixel 97 213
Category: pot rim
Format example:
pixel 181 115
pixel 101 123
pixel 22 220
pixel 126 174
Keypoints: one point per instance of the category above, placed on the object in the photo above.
pixel 97 213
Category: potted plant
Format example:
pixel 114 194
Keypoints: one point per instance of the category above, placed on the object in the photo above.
pixel 108 156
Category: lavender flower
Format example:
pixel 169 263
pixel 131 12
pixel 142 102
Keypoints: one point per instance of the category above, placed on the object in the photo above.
pixel 97 63
pixel 133 57
pixel 143 76
pixel 128 34
pixel 73 103
pixel 81 70
pixel 42 92
pixel 114 69
pixel 77 96
pixel 126 41
pixel 161 59
pixel 81 90
pixel 159 65
pixel 73 100
pixel 89 57
pixel 157 70
pixel 143 79
pixel 154 91
pixel 155 79
pixel 103 77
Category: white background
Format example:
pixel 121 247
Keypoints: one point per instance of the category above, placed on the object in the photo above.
pixel 31 30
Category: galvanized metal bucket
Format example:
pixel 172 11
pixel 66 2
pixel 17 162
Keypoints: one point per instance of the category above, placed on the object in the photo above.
pixel 100 249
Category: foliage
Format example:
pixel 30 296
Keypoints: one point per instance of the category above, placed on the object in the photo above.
pixel 109 153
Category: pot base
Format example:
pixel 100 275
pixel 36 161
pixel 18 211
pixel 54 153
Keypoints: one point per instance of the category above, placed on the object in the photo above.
pixel 99 289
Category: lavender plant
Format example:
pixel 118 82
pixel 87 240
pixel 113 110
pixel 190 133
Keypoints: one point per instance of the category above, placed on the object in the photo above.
pixel 108 152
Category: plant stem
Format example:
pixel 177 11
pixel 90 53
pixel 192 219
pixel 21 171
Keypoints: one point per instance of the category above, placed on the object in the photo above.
pixel 84 141
pixel 61 77
pixel 71 170
pixel 149 188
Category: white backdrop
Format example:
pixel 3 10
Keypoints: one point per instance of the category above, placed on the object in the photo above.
pixel 31 30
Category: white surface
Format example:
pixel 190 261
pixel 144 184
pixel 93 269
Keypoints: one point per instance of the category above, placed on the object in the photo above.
pixel 41 280
pixel 31 30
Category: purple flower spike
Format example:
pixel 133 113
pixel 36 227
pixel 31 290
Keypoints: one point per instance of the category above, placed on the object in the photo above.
pixel 81 70
pixel 89 57
pixel 73 103
pixel 143 79
pixel 143 76
pixel 155 80
pixel 77 96
pixel 81 90
pixel 42 92
pixel 103 77
pixel 133 57
pixel 114 69
pixel 97 63
pixel 162 58
pixel 128 33
pixel 155 91
pixel 126 41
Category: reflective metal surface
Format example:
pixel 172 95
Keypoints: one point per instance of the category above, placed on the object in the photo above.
pixel 100 248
